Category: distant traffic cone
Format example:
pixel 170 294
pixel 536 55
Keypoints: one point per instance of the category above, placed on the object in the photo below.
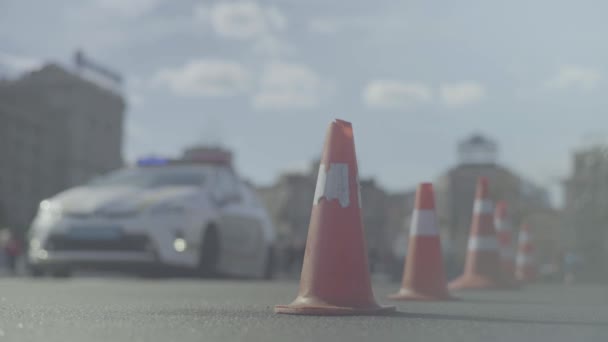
pixel 424 277
pixel 482 268
pixel 506 247
pixel 525 268
pixel 335 276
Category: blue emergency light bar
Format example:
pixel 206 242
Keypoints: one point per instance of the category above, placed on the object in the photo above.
pixel 152 161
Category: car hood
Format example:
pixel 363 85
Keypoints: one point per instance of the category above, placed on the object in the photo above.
pixel 88 200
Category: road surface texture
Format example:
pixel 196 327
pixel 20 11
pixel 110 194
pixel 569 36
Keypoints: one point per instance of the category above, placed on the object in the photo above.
pixel 99 309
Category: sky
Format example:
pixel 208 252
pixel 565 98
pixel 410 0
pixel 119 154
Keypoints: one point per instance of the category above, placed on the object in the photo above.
pixel 265 78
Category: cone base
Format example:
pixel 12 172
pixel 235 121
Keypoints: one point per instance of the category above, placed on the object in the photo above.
pixel 477 282
pixel 330 310
pixel 411 295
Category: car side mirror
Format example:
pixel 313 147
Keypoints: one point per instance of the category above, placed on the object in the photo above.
pixel 225 200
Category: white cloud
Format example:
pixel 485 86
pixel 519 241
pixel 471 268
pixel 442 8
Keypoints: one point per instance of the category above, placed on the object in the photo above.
pixel 243 20
pixel 247 21
pixel 462 93
pixel 280 85
pixel 573 76
pixel 18 64
pixel 129 8
pixel 276 19
pixel 333 25
pixel 205 78
pixel 289 86
pixel 388 94
pixel 327 25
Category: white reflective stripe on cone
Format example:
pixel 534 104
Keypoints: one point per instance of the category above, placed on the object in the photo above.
pixel 424 223
pixel 333 184
pixel 482 243
pixel 524 259
pixel 483 207
pixel 524 237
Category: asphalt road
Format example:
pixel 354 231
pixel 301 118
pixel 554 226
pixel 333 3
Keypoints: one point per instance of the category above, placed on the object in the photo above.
pixel 98 309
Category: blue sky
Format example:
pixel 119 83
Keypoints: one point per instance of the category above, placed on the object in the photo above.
pixel 266 77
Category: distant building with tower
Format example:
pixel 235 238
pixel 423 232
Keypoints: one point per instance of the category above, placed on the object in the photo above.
pixel 455 189
pixel 59 126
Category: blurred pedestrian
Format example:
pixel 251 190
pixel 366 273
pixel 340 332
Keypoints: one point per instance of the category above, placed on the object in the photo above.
pixel 11 248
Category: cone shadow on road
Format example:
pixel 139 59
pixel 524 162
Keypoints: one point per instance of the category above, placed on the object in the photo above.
pixel 493 319
pixel 217 311
pixel 499 301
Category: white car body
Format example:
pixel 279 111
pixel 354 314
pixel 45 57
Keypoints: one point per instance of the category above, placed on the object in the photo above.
pixel 157 225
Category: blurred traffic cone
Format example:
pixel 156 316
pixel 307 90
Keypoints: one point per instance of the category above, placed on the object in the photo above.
pixel 335 276
pixel 506 247
pixel 482 268
pixel 424 277
pixel 525 269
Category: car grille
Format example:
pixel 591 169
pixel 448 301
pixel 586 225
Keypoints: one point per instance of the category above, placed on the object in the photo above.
pixel 77 215
pixel 127 243
pixel 100 214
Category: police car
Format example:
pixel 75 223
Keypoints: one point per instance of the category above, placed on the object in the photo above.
pixel 193 213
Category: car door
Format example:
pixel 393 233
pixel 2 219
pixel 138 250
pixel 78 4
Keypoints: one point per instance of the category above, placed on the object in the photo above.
pixel 238 242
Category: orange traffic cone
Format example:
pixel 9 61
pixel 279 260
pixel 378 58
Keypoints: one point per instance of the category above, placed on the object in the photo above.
pixel 335 276
pixel 525 269
pixel 482 268
pixel 505 241
pixel 424 277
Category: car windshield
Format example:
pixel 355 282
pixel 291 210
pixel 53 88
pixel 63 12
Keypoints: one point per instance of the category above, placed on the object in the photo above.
pixel 150 177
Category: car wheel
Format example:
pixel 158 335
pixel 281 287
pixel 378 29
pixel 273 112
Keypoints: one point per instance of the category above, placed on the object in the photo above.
pixel 35 271
pixel 269 267
pixel 209 253
pixel 63 272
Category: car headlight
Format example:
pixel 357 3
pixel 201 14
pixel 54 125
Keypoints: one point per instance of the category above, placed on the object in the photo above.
pixel 35 244
pixel 167 209
pixel 49 210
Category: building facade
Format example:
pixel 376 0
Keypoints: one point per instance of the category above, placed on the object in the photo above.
pixel 58 128
pixel 585 216
pixel 548 240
